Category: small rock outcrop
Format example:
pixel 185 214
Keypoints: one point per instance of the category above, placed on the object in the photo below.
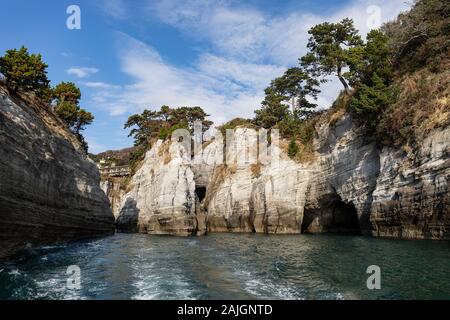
pixel 162 197
pixel 49 191
pixel 113 188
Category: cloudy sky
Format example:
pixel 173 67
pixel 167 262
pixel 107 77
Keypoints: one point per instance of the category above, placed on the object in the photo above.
pixel 136 54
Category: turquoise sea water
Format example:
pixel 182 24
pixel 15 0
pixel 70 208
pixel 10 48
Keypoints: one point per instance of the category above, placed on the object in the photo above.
pixel 231 266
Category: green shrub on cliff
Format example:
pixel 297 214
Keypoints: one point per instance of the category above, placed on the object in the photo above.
pixel 292 148
pixel 373 92
pixel 25 71
pixel 66 91
pixel 67 96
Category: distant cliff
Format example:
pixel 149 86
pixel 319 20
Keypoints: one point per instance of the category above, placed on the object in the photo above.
pixel 350 186
pixel 49 191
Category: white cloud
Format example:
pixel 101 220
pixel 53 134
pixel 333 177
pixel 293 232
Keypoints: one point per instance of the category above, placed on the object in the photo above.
pixel 248 49
pixel 114 8
pixel 81 72
pixel 99 85
pixel 225 88
pixel 249 34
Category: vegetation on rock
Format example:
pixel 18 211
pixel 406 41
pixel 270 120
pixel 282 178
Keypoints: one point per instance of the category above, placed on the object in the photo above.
pixel 396 83
pixel 27 72
pixel 151 125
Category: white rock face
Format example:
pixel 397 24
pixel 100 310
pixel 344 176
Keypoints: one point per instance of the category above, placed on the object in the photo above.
pixel 345 172
pixel 249 196
pixel 350 186
pixel 162 198
pixel 112 188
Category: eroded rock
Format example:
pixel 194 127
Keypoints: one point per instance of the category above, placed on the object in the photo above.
pixel 49 192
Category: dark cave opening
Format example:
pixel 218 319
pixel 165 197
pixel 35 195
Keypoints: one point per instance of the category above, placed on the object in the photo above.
pixel 334 216
pixel 345 218
pixel 201 193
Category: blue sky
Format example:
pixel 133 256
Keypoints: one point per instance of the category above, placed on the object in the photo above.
pixel 136 54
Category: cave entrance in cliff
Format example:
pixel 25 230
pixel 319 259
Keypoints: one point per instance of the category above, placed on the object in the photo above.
pixel 334 216
pixel 345 218
pixel 201 193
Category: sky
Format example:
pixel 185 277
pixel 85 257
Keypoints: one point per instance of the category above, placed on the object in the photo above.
pixel 131 55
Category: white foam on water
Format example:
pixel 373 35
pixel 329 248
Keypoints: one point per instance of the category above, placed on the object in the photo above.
pixel 263 287
pixel 14 272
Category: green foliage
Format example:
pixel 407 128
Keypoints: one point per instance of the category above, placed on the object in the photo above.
pixel 295 86
pixel 302 130
pixel 67 111
pixel 67 96
pixel 420 37
pixel 160 124
pixel 273 109
pixel 136 156
pixel 68 92
pixel 332 47
pixel 28 73
pixel 236 122
pixel 84 118
pixel 370 100
pixel 292 148
pixel 374 92
pixel 25 71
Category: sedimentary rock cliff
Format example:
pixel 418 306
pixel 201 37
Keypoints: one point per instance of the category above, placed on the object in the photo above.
pixel 246 195
pixel 162 196
pixel 349 186
pixel 112 187
pixel 49 192
pixel 412 194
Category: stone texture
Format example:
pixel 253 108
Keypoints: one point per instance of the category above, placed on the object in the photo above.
pixel 253 197
pixel 412 198
pixel 112 187
pixel 49 192
pixel 345 171
pixel 162 197
pixel 350 186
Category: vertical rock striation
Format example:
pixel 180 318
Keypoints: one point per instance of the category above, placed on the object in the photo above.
pixel 249 196
pixel 412 198
pixel 49 192
pixel 350 186
pixel 162 196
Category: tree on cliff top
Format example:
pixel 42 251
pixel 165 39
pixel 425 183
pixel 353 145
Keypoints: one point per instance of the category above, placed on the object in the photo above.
pixel 25 71
pixel 332 46
pixel 67 91
pixel 67 96
pixel 160 124
pixel 273 109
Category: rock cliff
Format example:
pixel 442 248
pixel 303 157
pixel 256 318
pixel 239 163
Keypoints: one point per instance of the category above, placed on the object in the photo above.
pixel 162 196
pixel 49 192
pixel 113 188
pixel 349 186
